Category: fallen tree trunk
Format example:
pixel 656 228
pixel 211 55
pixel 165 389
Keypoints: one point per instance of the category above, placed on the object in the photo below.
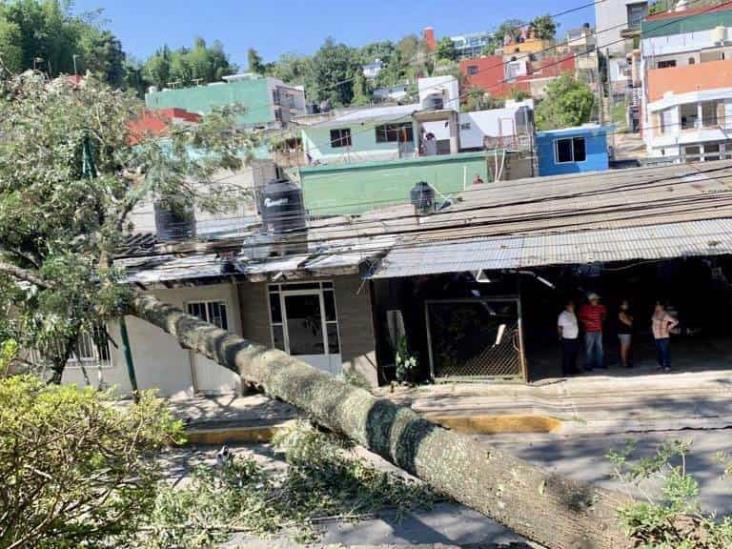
pixel 541 506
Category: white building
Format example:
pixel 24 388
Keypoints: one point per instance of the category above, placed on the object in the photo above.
pixel 686 68
pixel 616 20
pixel 372 70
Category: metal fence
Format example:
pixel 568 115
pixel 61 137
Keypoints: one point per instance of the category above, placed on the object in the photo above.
pixel 92 351
pixel 475 338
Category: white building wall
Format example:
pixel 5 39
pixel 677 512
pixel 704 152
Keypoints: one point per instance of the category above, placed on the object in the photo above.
pixel 253 176
pixel 680 43
pixel 611 17
pixel 160 363
pixel 669 141
pixel 475 126
pixel 447 85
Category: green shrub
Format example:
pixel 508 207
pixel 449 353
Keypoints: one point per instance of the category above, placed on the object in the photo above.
pixel 76 471
pixel 673 519
pixel 320 481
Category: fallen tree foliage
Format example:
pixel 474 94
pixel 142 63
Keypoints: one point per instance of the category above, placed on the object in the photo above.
pixel 542 506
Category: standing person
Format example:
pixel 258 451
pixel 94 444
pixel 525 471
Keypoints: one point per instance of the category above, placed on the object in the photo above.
pixel 625 333
pixel 478 180
pixel 662 323
pixel 568 332
pixel 592 316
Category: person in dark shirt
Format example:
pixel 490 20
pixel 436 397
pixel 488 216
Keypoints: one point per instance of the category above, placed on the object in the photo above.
pixel 625 333
pixel 592 317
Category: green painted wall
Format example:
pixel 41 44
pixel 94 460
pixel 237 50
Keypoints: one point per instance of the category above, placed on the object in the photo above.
pixel 356 188
pixel 253 95
pixel 364 147
pixel 685 23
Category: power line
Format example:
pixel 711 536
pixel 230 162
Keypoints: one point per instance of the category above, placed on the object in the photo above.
pixel 521 217
pixel 495 187
pixel 574 55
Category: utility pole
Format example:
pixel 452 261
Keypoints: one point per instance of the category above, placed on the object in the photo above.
pixel 76 70
pixel 600 114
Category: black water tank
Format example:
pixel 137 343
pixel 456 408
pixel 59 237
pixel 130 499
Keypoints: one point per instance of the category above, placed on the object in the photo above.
pixel 422 197
pixel 282 207
pixel 174 221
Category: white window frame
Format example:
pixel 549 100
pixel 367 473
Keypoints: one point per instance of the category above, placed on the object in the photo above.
pixel 283 292
pixel 207 303
pixel 572 138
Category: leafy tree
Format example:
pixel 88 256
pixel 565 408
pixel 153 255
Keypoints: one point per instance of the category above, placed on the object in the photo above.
pixel 11 51
pixel 409 48
pixel 446 49
pixel 490 48
pixel 292 68
pixel 568 102
pixel 333 69
pixel 544 26
pixel 362 93
pixel 76 471
pixel 477 99
pixel 510 28
pixel 46 35
pixel 102 55
pixel 185 67
pixel 254 61
pixel 69 177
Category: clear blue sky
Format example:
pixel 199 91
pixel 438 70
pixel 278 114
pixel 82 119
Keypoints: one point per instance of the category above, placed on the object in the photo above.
pixel 274 27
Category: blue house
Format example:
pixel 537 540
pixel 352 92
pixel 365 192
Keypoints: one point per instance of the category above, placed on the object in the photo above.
pixel 572 150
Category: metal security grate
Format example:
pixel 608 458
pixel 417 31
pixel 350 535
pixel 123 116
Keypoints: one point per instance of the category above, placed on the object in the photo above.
pixel 475 338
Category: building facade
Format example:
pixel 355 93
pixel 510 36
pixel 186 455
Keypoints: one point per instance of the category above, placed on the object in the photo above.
pixel 572 150
pixel 503 78
pixel 266 102
pixel 687 84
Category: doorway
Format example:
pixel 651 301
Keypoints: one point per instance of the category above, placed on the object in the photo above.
pixel 477 338
pixel 304 323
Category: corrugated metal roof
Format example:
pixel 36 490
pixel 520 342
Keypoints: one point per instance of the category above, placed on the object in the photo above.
pixel 376 114
pixel 148 270
pixel 695 238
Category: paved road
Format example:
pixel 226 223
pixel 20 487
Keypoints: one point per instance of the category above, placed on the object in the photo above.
pixel 453 525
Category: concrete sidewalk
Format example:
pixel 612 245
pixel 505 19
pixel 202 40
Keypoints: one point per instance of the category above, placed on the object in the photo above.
pixel 592 404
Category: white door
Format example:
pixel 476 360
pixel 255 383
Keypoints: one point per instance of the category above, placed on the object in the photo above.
pixel 304 325
pixel 209 377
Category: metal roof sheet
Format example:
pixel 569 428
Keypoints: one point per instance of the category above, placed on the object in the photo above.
pixel 663 241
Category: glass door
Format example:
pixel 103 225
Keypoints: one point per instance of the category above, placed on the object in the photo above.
pixel 304 324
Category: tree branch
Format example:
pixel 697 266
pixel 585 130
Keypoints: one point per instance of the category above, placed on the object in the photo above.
pixel 23 274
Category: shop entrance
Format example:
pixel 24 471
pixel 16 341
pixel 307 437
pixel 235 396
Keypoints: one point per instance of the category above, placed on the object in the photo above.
pixel 475 338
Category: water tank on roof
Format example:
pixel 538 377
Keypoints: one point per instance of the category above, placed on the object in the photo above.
pixel 174 222
pixel 719 34
pixel 422 197
pixel 282 208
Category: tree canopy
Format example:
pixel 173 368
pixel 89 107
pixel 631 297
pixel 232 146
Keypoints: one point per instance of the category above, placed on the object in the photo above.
pixel 45 34
pixel 71 171
pixel 568 102
pixel 544 27
pixel 200 64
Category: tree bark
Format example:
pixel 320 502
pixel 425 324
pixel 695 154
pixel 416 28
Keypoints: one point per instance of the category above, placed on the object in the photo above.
pixel 541 506
pixel 23 274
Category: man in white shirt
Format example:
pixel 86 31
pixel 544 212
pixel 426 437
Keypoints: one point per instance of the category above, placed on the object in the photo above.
pixel 568 330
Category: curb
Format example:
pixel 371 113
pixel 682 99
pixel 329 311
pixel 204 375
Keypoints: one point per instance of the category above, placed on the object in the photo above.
pixel 480 424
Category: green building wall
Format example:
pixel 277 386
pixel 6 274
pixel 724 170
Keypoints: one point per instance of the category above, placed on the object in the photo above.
pixel 356 188
pixel 252 94
pixel 364 147
pixel 683 23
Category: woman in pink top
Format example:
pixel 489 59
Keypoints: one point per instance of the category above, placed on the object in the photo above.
pixel 662 323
